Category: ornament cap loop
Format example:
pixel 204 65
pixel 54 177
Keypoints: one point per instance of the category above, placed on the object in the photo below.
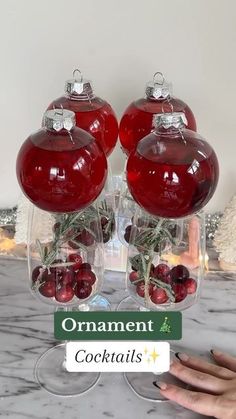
pixel 77 70
pixel 176 120
pixel 158 88
pixel 161 77
pixel 59 119
pixel 169 104
pixel 79 88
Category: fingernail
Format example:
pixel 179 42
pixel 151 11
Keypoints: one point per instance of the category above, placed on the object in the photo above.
pixel 161 386
pixel 181 356
pixel 216 353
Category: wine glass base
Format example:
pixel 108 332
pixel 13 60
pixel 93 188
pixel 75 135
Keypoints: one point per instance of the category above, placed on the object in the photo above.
pixel 53 377
pixel 98 303
pixel 129 304
pixel 50 371
pixel 142 383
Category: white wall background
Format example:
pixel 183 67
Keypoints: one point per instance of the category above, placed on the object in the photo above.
pixel 119 45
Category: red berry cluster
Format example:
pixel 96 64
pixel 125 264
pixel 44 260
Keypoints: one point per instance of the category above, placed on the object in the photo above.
pixel 77 236
pixel 84 237
pixel 108 228
pixel 63 283
pixel 177 278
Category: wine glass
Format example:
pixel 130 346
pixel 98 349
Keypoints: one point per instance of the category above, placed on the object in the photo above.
pixel 66 266
pixel 166 261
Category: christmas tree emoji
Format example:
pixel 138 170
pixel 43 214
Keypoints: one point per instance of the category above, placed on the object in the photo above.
pixel 165 327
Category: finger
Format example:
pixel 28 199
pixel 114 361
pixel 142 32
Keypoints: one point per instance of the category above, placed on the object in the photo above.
pixel 224 359
pixel 198 379
pixel 204 366
pixel 205 404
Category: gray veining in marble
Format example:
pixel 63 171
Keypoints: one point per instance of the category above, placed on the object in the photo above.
pixel 26 331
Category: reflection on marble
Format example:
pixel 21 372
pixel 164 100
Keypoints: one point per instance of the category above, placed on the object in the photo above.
pixel 26 330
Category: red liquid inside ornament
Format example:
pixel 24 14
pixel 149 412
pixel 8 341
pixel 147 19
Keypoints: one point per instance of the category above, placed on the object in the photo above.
pixel 95 116
pixel 172 174
pixel 136 121
pixel 59 172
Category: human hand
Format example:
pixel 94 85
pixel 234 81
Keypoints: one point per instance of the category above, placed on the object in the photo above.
pixel 215 384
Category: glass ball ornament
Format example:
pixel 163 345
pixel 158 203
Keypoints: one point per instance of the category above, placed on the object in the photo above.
pixel 61 168
pixel 92 113
pixel 137 119
pixel 173 172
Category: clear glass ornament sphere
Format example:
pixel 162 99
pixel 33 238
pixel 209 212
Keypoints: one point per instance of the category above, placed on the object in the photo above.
pixel 172 173
pixel 136 121
pixel 61 171
pixel 93 115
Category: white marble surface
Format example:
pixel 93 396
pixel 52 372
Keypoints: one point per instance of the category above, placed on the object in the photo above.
pixel 26 330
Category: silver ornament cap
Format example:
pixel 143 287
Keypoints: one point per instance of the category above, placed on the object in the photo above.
pixel 78 87
pixel 167 120
pixel 59 119
pixel 158 88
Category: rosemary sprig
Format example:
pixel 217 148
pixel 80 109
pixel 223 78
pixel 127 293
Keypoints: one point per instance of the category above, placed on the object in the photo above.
pixel 148 240
pixel 166 287
pixel 67 227
pixel 152 238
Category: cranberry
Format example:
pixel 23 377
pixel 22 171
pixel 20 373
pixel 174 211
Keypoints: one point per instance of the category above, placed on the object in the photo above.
pixel 152 269
pixel 127 233
pixel 48 289
pixel 76 259
pixel 58 270
pixel 73 245
pixel 133 276
pixel 86 266
pixel 36 272
pixel 105 236
pixel 48 275
pixel 64 294
pixel 190 285
pixel 67 278
pixel 140 289
pixel 85 238
pixel 159 296
pixel 167 279
pixel 180 292
pixel 179 273
pixel 113 224
pixel 104 221
pixel 83 289
pixel 86 275
pixel 161 271
pixel 56 227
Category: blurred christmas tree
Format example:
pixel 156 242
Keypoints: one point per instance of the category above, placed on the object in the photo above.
pixel 43 228
pixel 225 237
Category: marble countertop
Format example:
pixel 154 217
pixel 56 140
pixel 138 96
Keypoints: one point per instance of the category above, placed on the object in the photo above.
pixel 26 331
